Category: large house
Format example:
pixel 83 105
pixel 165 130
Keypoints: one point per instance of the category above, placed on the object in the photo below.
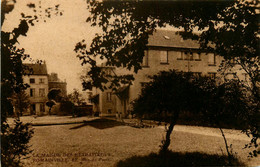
pixel 40 84
pixel 38 90
pixel 166 50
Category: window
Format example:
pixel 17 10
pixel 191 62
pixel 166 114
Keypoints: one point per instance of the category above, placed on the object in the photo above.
pixel 164 57
pixel 41 80
pixel 32 80
pixel 41 92
pixel 109 111
pixel 145 59
pixel 196 56
pixel 212 75
pixel 109 96
pixel 180 56
pixel 191 56
pixel 41 107
pixel 32 92
pixel 33 108
pixel 188 55
pixel 211 59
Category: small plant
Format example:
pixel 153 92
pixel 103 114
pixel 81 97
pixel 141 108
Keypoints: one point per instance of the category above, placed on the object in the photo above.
pixel 14 141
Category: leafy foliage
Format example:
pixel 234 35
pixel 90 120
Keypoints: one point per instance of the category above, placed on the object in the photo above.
pixel 21 102
pixel 54 94
pixel 163 98
pixel 167 93
pixel 75 97
pixel 14 143
pixel 66 107
pixel 223 102
pixel 14 139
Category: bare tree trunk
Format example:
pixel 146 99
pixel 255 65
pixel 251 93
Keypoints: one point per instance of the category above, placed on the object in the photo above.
pixel 166 142
pixel 226 144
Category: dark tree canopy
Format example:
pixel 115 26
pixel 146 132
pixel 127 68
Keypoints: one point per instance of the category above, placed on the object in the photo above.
pixel 166 96
pixel 168 93
pixel 54 94
pixel 21 102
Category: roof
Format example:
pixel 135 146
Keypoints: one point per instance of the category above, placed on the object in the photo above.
pixel 166 38
pixel 37 69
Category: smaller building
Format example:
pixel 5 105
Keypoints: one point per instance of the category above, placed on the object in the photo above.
pixel 37 78
pixel 56 83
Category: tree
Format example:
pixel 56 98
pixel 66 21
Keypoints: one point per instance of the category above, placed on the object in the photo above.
pixel 171 93
pixel 75 97
pixel 50 104
pixel 223 103
pixel 14 139
pixel 228 28
pixel 162 99
pixel 21 102
pixel 54 96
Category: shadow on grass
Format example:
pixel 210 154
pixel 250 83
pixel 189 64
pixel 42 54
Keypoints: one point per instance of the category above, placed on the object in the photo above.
pixel 171 159
pixel 101 123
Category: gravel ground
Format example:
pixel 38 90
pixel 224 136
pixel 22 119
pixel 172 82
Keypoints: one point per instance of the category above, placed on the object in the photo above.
pixel 104 144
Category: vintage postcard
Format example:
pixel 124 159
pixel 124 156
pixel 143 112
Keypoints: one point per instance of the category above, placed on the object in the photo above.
pixel 129 83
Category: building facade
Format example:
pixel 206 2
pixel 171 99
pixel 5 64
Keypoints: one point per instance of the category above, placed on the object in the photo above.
pixel 38 90
pixel 166 51
pixel 56 83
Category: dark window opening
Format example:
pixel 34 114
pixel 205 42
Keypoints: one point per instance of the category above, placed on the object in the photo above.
pixel 32 92
pixel 32 80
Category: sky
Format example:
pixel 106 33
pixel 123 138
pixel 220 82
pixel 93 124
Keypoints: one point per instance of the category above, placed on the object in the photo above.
pixel 54 40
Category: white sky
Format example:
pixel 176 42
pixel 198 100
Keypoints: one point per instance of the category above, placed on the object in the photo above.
pixel 55 40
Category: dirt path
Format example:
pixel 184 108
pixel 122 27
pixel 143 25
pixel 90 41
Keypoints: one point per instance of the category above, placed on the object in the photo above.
pixel 229 133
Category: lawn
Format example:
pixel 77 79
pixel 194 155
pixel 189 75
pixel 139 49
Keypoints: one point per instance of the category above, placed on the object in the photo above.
pixel 109 143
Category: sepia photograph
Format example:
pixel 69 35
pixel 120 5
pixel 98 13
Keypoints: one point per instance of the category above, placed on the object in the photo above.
pixel 130 83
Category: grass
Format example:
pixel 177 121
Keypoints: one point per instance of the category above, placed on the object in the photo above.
pixel 171 159
pixel 104 143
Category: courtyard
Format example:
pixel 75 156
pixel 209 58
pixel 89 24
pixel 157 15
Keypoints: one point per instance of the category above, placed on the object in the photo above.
pixel 107 142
